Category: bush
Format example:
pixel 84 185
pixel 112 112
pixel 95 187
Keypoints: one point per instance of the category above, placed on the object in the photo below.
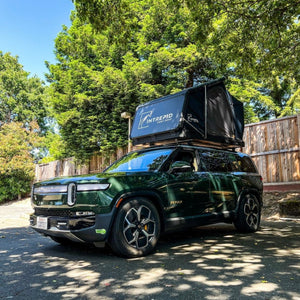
pixel 16 161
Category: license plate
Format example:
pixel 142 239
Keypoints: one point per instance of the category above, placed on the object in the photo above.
pixel 42 222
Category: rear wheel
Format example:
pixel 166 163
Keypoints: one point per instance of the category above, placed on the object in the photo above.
pixel 136 228
pixel 248 214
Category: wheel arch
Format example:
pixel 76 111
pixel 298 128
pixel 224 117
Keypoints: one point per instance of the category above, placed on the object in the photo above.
pixel 152 196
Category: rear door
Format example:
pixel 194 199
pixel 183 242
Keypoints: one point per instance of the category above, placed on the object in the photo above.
pixel 224 185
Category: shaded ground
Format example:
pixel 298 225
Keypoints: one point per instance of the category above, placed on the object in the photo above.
pixel 212 262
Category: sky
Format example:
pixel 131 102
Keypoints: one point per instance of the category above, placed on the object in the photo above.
pixel 28 29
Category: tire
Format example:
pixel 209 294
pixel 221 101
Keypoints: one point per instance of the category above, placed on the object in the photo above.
pixel 136 228
pixel 248 214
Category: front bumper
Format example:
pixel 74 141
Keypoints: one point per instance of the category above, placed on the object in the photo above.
pixel 91 229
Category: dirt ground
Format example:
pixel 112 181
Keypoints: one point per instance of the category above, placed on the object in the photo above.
pixel 271 202
pixel 15 213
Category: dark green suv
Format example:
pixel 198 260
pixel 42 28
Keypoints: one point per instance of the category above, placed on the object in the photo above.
pixel 148 192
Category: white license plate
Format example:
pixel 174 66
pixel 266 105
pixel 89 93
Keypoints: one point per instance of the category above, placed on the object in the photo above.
pixel 42 222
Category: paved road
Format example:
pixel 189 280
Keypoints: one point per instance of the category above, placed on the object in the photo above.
pixel 213 262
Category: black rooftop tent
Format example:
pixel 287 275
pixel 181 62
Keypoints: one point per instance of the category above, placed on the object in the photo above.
pixel 206 113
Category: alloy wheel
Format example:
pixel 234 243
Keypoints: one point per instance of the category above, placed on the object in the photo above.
pixel 139 227
pixel 251 211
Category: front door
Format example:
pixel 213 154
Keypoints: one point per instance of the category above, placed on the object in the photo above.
pixel 188 191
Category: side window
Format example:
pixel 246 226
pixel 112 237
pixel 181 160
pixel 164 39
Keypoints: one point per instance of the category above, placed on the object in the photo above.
pixel 247 165
pixel 188 157
pixel 235 162
pixel 214 161
pixel 241 163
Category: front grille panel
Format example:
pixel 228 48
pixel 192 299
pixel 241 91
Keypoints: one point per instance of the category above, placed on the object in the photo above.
pixel 63 223
pixel 53 212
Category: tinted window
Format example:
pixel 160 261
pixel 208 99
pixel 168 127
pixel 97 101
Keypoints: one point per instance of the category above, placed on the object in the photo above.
pixel 235 162
pixel 246 164
pixel 140 161
pixel 241 163
pixel 214 161
pixel 186 156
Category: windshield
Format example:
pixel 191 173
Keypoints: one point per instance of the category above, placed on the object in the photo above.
pixel 140 161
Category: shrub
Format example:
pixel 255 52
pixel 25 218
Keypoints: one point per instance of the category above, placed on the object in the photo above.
pixel 16 160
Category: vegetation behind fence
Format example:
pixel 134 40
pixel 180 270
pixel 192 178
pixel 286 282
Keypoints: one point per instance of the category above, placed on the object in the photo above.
pixel 273 145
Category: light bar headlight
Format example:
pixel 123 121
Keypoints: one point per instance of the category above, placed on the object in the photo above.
pixel 82 187
pixel 51 189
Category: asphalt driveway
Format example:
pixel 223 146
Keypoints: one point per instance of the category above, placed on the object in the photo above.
pixel 212 262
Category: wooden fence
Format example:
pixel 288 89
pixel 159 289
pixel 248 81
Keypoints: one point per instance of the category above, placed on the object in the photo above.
pixel 274 146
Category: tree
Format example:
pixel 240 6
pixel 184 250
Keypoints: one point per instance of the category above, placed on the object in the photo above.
pixel 16 160
pixel 261 33
pixel 88 92
pixel 21 96
pixel 96 79
pixel 263 48
pixel 22 123
pixel 118 54
pixel 253 40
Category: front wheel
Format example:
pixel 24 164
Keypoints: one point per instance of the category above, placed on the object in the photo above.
pixel 248 214
pixel 136 228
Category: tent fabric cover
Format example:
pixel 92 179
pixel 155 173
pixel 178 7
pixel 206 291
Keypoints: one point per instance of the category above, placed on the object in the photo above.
pixel 206 112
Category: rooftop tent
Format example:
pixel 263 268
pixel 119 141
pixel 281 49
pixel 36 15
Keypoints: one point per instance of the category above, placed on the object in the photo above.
pixel 205 113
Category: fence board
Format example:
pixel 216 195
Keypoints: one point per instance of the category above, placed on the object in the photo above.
pixel 275 148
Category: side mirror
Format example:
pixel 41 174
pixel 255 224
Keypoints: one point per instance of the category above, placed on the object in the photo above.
pixel 180 167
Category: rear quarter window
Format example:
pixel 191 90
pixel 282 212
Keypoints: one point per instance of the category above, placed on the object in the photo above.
pixel 242 164
pixel 246 164
pixel 218 161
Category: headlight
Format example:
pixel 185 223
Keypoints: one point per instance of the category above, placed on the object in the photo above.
pixel 82 187
pixel 51 189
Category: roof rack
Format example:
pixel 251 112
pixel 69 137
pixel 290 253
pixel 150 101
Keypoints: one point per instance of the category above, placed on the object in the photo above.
pixel 188 142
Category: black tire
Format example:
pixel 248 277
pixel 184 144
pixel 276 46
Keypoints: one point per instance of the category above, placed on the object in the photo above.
pixel 248 214
pixel 136 228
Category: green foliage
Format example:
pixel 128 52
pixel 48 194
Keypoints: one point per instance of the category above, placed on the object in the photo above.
pixel 99 75
pixel 21 97
pixel 120 53
pixel 54 147
pixel 254 40
pixel 16 161
pixel 264 37
pixel 22 123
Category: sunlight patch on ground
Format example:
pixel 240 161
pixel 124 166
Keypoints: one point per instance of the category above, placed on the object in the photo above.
pixel 153 275
pixel 183 287
pixel 259 287
pixel 205 281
